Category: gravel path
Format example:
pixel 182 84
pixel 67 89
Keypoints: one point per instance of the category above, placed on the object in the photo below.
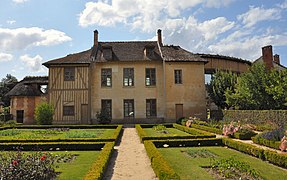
pixel 130 160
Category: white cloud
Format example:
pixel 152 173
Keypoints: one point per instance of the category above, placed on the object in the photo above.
pixel 144 14
pixel 20 1
pixel 21 38
pixel 245 45
pixel 283 5
pixel 33 63
pixel 258 14
pixel 5 57
pixel 11 22
pixel 218 3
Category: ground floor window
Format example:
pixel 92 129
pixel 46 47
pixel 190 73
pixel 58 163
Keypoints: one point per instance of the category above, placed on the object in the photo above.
pixel 151 108
pixel 107 106
pixel 129 108
pixel 69 110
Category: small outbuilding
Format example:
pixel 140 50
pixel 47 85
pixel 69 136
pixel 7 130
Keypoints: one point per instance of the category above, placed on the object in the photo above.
pixel 25 96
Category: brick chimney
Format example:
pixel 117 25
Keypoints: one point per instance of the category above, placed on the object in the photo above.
pixel 276 58
pixel 159 37
pixel 96 33
pixel 267 55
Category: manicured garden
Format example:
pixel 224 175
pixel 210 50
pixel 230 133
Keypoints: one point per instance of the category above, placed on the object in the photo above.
pixel 56 152
pixel 200 163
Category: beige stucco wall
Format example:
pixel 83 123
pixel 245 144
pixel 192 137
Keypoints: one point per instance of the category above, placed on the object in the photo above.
pixel 139 92
pixel 191 93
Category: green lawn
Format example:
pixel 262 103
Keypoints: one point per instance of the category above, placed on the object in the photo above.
pixel 14 134
pixel 79 167
pixel 190 168
pixel 170 132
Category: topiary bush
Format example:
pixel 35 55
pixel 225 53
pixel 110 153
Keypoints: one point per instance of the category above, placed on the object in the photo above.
pixel 44 114
pixel 103 117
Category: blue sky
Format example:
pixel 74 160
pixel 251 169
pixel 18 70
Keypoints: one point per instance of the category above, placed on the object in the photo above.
pixel 35 31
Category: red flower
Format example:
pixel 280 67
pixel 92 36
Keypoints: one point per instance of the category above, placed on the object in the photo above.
pixel 43 158
pixel 15 162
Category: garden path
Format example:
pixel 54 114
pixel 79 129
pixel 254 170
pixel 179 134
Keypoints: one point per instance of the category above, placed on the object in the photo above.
pixel 130 159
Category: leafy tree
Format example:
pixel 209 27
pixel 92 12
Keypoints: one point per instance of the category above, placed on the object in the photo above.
pixel 259 89
pixel 221 82
pixel 44 114
pixel 6 85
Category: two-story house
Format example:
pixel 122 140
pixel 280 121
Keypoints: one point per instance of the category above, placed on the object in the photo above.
pixel 135 81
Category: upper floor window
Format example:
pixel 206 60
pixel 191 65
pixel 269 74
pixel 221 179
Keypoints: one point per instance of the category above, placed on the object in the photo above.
pixel 107 53
pixel 178 76
pixel 69 73
pixel 128 77
pixel 149 51
pixel 150 77
pixel 106 76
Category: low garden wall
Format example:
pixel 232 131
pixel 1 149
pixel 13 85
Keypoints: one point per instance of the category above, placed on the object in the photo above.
pixel 278 117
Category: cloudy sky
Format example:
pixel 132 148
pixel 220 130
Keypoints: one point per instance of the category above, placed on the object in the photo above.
pixel 35 31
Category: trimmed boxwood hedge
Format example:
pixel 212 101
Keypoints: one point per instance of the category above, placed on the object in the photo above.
pixel 160 166
pixel 194 131
pixel 207 128
pixel 265 142
pixel 52 146
pixel 115 136
pixel 271 156
pixel 195 134
pixel 188 143
pixel 244 136
pixel 99 166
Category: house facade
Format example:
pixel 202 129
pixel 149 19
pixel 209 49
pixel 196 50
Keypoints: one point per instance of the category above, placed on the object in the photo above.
pixel 134 81
pixel 25 96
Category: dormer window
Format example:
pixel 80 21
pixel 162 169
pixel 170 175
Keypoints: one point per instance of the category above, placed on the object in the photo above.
pixel 107 53
pixel 149 51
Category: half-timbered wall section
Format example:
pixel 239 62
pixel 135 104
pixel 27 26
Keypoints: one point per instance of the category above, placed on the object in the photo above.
pixel 68 92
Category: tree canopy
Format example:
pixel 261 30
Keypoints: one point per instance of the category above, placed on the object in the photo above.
pixel 6 84
pixel 221 82
pixel 259 89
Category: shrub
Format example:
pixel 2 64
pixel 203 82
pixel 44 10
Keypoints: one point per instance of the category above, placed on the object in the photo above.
pixel 19 166
pixel 258 139
pixel 206 128
pixel 244 134
pixel 98 168
pixel 274 135
pixel 44 114
pixel 160 166
pixel 103 117
pixel 194 131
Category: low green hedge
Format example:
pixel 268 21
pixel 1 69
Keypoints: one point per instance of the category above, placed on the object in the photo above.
pixel 194 131
pixel 243 147
pixel 52 146
pixel 244 136
pixel 271 156
pixel 160 166
pixel 115 136
pixel 140 131
pixel 188 143
pixel 61 126
pixel 276 158
pixel 265 142
pixel 207 128
pixel 195 134
pixel 99 166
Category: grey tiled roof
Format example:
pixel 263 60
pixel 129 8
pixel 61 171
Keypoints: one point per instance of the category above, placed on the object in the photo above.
pixel 128 51
pixel 176 53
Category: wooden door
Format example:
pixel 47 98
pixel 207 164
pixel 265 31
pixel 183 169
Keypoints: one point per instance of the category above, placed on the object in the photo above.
pixel 84 114
pixel 178 111
pixel 19 116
